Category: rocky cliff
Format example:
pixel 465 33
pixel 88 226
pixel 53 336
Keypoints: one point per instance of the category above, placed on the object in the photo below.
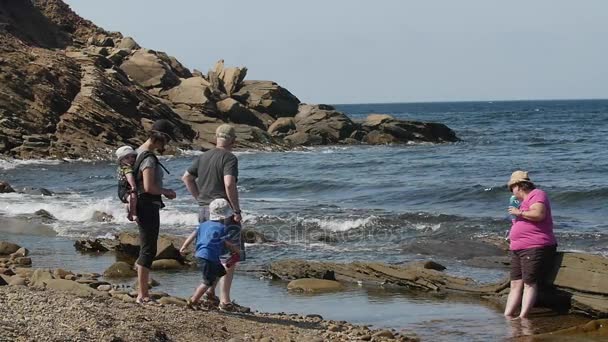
pixel 71 89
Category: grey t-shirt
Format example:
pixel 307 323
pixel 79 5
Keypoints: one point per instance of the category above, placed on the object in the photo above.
pixel 150 162
pixel 209 169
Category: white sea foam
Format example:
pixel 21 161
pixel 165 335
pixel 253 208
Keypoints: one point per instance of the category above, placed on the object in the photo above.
pixel 9 164
pixel 339 225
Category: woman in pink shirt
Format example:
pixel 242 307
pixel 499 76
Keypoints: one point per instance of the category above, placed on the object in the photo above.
pixel 532 245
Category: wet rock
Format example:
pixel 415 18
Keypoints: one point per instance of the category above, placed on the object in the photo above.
pixel 45 215
pixel 595 330
pixel 120 269
pixel 35 191
pixel 100 216
pixel 90 246
pixel 5 188
pixel 412 277
pixel 429 265
pixel 314 285
pixel 384 334
pixel 21 252
pixel 166 264
pixel 8 248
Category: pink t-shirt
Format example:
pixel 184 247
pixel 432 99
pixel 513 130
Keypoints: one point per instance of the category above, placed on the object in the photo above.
pixel 528 234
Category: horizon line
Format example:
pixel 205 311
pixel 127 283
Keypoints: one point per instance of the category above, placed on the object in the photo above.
pixel 465 101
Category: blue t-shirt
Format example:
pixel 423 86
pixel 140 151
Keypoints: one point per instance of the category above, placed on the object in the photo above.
pixel 210 240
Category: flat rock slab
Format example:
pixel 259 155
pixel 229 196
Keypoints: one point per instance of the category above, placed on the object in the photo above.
pixel 581 272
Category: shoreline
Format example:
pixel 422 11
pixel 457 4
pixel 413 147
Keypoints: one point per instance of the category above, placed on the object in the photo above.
pixel 546 321
pixel 97 318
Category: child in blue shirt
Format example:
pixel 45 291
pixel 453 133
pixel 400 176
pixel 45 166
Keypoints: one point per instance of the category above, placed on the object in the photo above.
pixel 210 242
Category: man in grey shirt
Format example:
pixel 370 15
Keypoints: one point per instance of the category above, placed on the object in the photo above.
pixel 214 175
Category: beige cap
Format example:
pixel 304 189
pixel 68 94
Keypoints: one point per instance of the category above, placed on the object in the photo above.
pixel 225 131
pixel 518 177
pixel 219 209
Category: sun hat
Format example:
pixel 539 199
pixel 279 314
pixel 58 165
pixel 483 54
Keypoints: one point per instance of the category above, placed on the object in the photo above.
pixel 163 126
pixel 518 177
pixel 225 131
pixel 219 209
pixel 124 151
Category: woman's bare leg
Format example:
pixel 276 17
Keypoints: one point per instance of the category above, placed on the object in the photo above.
pixel 530 292
pixel 514 298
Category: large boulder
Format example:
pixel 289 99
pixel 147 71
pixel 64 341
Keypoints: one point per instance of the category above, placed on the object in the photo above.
pixel 8 248
pixel 120 269
pixel 267 97
pixel 148 69
pixel 190 91
pixel 175 65
pixel 282 126
pixel 314 285
pixel 128 43
pixel 233 111
pixel 323 121
pixel 167 246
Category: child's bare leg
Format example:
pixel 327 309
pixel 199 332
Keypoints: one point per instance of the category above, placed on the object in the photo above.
pixel 198 293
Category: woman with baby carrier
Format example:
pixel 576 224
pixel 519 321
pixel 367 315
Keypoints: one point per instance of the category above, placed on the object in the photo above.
pixel 532 245
pixel 149 178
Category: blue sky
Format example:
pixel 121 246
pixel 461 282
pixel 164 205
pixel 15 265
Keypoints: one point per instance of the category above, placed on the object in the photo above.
pixel 352 51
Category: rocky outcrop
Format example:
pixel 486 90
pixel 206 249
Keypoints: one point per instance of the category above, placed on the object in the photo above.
pixel 579 281
pixel 385 129
pixel 71 89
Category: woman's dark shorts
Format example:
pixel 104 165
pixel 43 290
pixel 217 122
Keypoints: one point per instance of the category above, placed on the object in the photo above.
pixel 211 271
pixel 149 225
pixel 532 265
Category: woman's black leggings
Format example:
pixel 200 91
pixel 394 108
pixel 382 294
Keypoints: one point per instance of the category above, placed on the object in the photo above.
pixel 149 225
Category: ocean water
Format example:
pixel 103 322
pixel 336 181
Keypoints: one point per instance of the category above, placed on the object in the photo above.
pixel 346 203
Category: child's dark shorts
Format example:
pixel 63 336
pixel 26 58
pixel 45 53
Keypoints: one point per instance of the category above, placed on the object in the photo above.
pixel 532 265
pixel 210 270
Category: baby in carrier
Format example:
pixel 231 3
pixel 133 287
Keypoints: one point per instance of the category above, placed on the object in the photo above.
pixel 127 188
